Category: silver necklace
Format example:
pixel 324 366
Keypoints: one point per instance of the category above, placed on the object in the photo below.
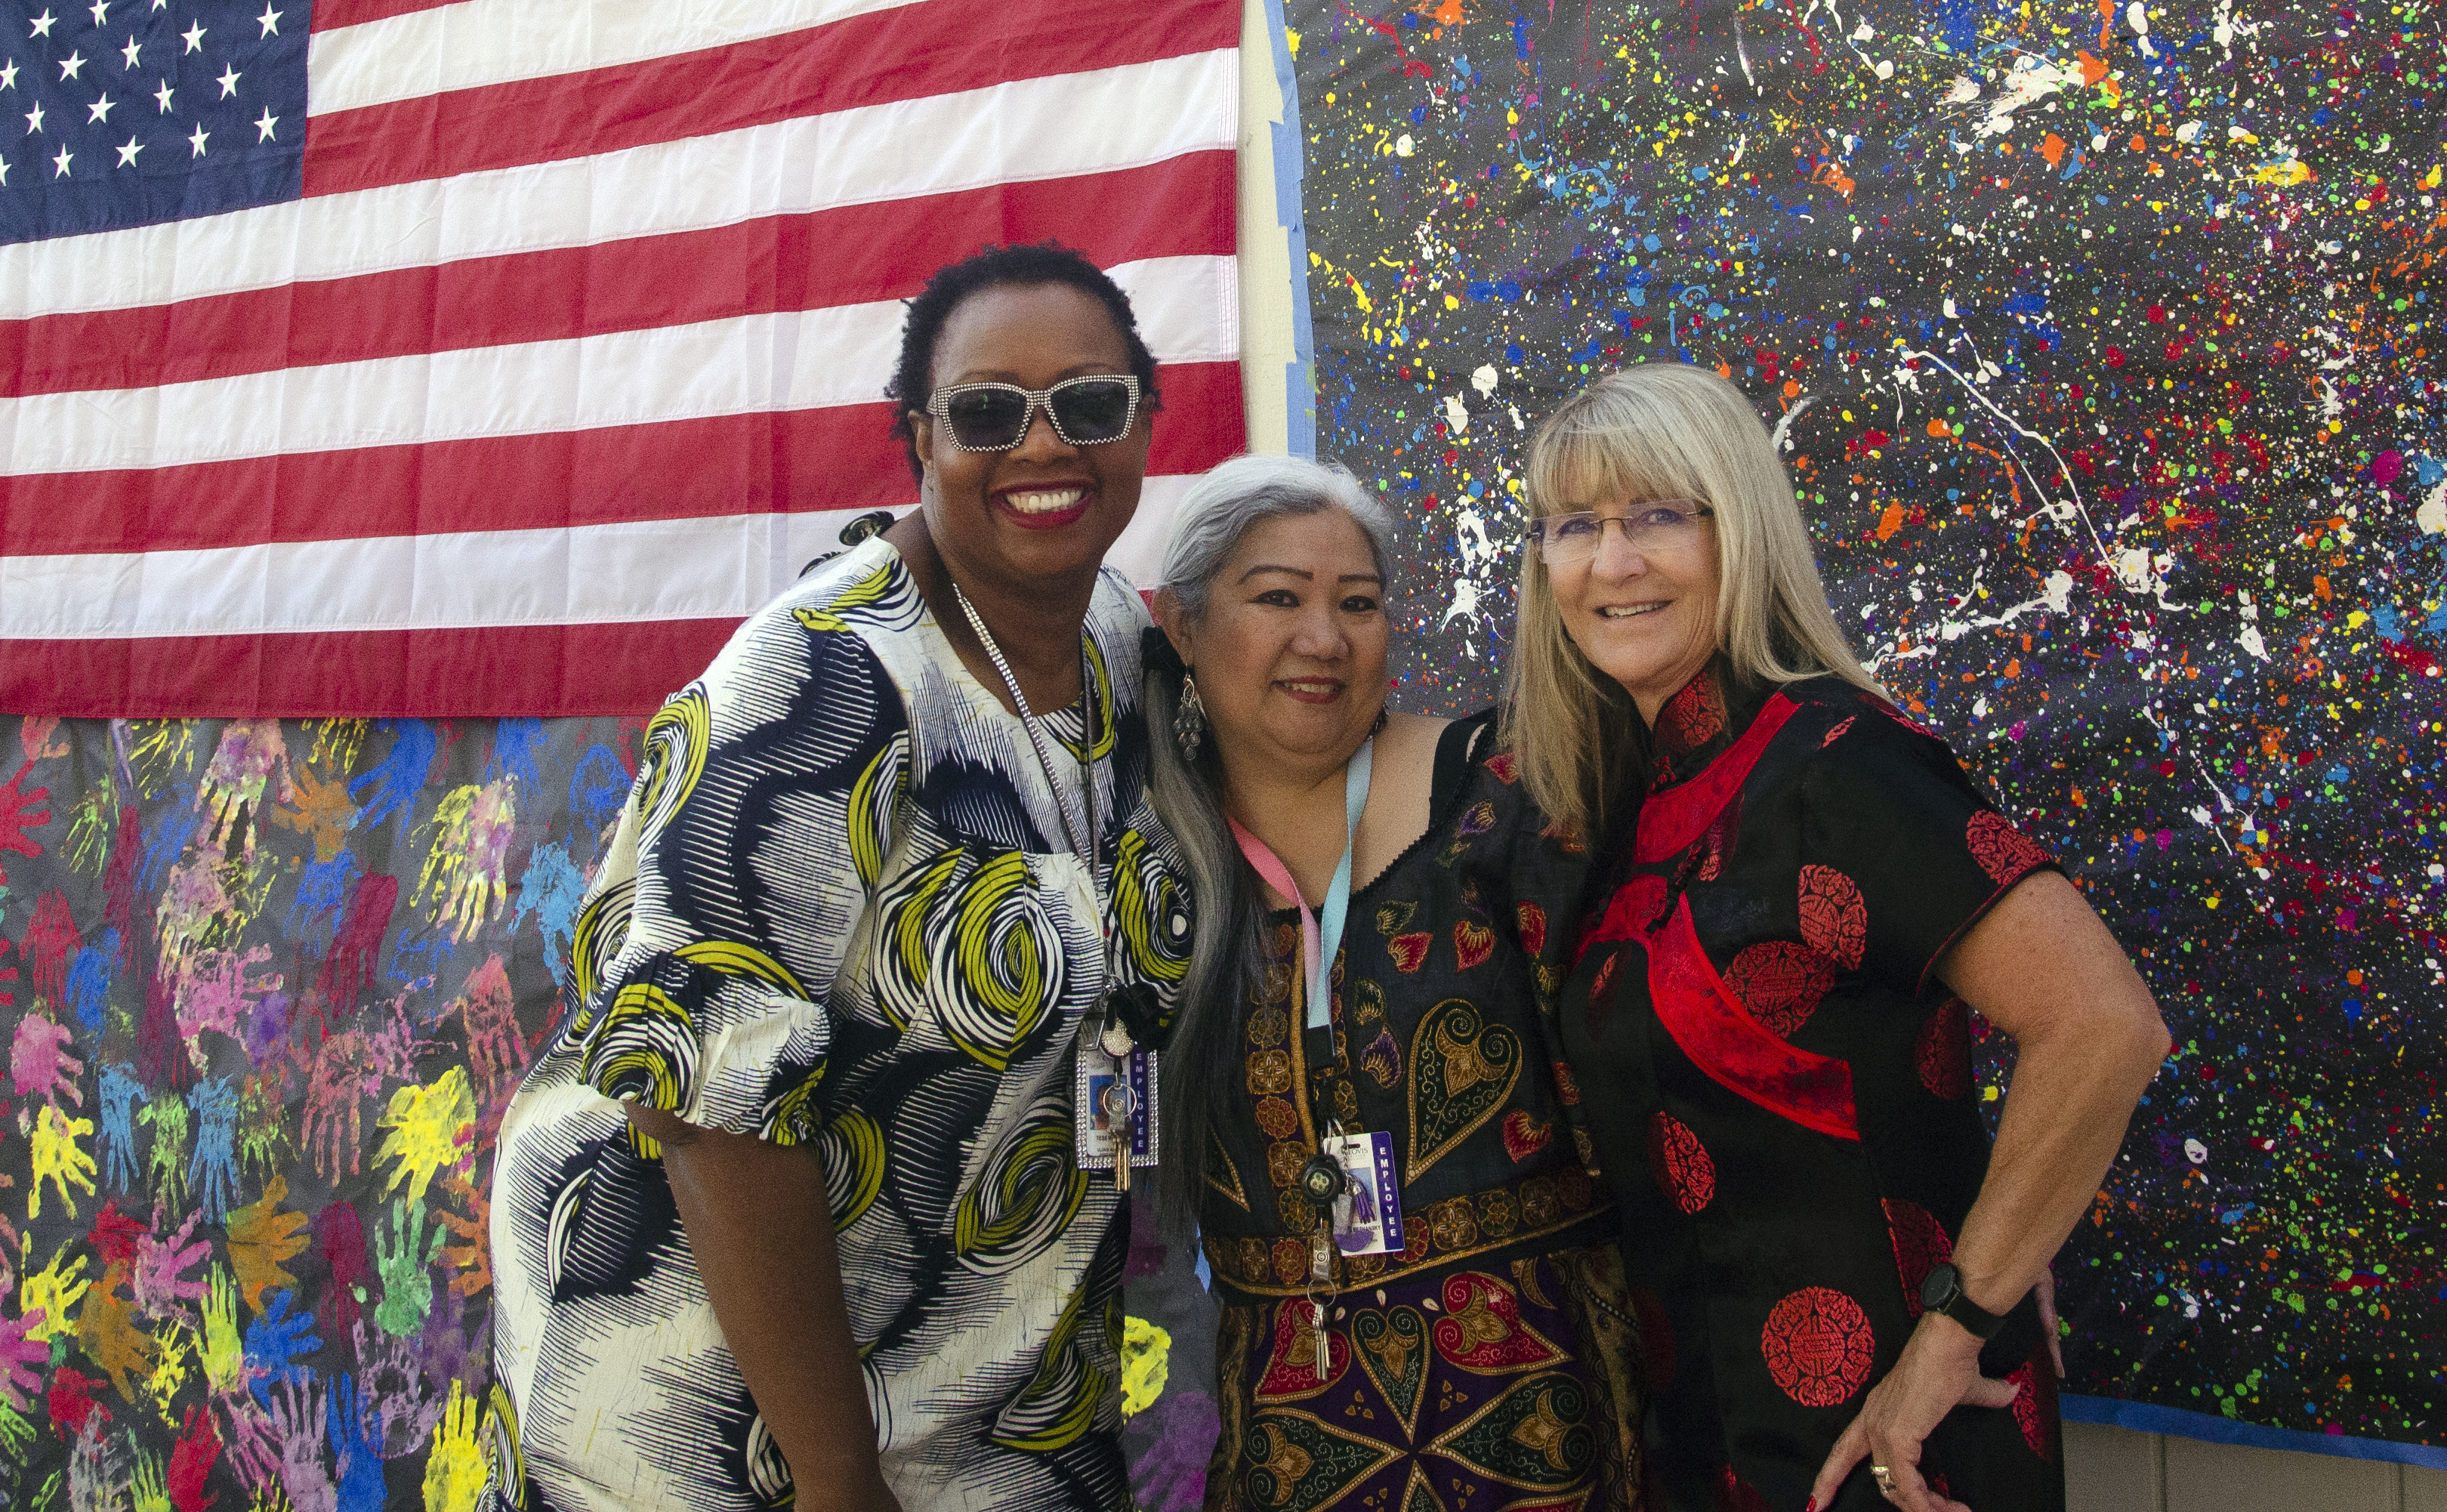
pixel 1114 1039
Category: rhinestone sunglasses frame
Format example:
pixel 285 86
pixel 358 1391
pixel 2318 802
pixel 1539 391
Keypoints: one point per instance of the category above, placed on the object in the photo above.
pixel 938 406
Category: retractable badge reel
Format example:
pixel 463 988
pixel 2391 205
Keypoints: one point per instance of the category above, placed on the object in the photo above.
pixel 1114 1107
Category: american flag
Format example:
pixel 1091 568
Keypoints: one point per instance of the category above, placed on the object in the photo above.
pixel 387 357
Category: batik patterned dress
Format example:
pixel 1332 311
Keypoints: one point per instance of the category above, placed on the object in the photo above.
pixel 1781 1093
pixel 839 912
pixel 1487 1364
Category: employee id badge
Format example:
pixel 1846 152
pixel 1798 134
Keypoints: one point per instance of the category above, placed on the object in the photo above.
pixel 1115 1103
pixel 1368 1216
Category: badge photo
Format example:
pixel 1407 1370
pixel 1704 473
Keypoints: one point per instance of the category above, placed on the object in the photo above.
pixel 1115 1101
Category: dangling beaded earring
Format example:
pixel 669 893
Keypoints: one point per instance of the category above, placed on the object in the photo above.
pixel 1189 719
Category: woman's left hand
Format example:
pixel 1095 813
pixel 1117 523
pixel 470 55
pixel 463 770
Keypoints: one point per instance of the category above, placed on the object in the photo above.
pixel 1939 1371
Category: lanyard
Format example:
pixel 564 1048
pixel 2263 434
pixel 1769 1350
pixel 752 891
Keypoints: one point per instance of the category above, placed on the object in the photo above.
pixel 1321 940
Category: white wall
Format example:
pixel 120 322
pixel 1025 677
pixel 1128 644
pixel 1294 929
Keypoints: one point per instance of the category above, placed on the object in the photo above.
pixel 2116 1470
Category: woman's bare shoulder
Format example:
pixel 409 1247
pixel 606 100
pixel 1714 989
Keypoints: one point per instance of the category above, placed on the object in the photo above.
pixel 1407 730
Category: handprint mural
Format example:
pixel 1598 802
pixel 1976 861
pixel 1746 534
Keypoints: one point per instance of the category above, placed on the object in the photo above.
pixel 265 988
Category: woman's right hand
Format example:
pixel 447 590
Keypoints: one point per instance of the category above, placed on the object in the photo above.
pixel 1938 1373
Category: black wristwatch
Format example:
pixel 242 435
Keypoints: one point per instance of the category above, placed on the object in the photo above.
pixel 1942 1292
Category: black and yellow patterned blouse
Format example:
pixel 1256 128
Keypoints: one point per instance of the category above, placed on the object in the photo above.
pixel 1489 1352
pixel 839 912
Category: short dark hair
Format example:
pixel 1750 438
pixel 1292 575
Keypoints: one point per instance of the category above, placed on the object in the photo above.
pixel 1047 262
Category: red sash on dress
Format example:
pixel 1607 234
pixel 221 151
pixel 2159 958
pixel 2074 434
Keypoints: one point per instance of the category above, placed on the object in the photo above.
pixel 1691 999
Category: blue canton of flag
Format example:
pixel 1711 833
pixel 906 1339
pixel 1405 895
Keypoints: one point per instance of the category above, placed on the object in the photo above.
pixel 118 113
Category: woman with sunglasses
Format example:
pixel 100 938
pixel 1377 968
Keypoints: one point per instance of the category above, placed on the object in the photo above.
pixel 1420 1305
pixel 795 1203
pixel 1766 1016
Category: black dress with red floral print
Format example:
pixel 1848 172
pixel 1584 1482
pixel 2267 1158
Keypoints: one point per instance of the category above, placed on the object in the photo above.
pixel 1779 1091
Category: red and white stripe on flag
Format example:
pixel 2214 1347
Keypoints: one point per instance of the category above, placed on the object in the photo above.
pixel 571 354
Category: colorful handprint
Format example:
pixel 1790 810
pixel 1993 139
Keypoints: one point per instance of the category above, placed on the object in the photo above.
pixel 59 1160
pixel 404 1256
pixel 253 758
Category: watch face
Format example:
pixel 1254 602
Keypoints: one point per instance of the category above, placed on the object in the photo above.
pixel 1944 1282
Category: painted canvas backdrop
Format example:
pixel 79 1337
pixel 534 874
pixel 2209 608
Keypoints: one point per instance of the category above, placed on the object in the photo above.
pixel 267 989
pixel 2095 338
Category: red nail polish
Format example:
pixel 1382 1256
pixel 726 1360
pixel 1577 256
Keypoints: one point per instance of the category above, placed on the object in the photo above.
pixel 1811 1505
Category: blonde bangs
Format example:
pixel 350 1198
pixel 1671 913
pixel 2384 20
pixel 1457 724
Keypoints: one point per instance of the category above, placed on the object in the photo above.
pixel 1587 456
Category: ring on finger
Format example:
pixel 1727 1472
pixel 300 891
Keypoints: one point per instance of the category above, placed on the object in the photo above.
pixel 1885 1479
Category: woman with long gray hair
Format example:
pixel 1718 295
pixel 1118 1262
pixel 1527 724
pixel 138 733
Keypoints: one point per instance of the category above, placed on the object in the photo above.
pixel 1412 1259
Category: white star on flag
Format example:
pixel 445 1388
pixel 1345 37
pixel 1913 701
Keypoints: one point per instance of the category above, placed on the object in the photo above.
pixel 70 64
pixel 198 139
pixel 100 12
pixel 34 120
pixel 9 75
pixel 100 111
pixel 42 25
pixel 163 95
pixel 61 161
pixel 127 152
pixel 228 81
pixel 4 173
pixel 271 22
pixel 265 124
pixel 131 51
pixel 193 37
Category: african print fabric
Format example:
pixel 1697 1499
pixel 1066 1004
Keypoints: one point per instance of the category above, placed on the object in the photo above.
pixel 839 912
pixel 1488 1364
pixel 1780 1092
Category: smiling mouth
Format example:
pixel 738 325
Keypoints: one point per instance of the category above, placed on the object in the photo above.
pixel 1043 500
pixel 1628 611
pixel 1311 690
pixel 1045 508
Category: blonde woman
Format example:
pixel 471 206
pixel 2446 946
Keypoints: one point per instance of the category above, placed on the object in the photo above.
pixel 1800 894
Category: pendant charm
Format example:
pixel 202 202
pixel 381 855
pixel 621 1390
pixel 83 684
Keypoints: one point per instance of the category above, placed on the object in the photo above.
pixel 1320 1182
pixel 1317 1325
pixel 1116 1040
pixel 1320 1257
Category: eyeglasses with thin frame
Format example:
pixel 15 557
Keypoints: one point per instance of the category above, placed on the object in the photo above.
pixel 1088 411
pixel 1566 540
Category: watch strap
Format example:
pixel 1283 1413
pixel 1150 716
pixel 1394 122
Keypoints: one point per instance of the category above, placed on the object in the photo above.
pixel 1946 1280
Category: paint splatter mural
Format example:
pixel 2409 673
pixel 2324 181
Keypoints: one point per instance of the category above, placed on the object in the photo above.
pixel 268 987
pixel 2096 336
